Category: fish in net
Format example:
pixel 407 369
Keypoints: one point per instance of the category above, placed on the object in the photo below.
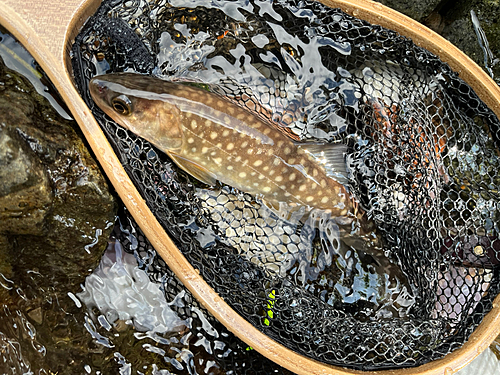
pixel 422 155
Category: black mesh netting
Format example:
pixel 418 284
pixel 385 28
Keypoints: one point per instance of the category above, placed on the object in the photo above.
pixel 413 275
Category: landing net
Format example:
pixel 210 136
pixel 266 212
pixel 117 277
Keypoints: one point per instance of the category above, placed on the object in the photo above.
pixel 422 161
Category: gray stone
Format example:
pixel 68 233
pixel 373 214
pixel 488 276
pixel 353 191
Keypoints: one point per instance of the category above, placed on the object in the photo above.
pixel 417 10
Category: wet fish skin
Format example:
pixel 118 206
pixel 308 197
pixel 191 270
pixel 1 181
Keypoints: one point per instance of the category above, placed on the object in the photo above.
pixel 214 139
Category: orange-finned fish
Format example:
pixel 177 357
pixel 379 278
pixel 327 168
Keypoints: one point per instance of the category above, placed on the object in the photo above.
pixel 214 139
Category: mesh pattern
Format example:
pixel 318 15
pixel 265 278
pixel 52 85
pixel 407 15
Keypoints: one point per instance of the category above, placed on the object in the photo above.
pixel 419 273
pixel 232 354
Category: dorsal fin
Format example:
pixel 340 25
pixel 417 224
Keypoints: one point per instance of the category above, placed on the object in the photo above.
pixel 244 99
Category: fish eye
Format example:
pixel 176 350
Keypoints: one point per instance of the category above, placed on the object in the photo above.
pixel 122 105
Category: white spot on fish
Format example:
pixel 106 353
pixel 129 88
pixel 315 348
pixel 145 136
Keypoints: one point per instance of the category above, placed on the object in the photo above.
pixel 279 178
pixel 204 150
pixel 229 167
pixel 266 189
pixel 292 177
pixel 309 198
pixel 194 124
pixel 257 163
pixel 213 135
pixel 230 146
pixel 242 175
pixel 225 133
pixel 303 187
pixel 324 200
pixel 218 160
pixel 191 140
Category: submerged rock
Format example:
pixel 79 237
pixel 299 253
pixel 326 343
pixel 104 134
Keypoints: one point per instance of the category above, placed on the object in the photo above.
pixel 56 215
pixel 56 209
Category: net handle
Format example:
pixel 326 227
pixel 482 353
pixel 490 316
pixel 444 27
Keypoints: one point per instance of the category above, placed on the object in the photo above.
pixel 46 28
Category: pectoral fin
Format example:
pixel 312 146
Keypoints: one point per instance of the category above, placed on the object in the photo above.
pixel 331 156
pixel 195 170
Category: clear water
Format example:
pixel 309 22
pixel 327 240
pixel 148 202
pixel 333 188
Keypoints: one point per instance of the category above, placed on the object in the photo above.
pixel 490 60
pixel 17 58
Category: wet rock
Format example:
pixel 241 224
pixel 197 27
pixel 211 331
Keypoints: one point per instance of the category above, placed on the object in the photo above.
pixel 418 10
pixel 458 28
pixel 25 192
pixel 56 210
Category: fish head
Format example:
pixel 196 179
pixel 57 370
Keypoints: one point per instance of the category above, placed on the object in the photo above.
pixel 133 102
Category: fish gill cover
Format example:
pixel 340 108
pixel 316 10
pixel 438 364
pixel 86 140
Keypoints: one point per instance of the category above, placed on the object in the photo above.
pixel 422 156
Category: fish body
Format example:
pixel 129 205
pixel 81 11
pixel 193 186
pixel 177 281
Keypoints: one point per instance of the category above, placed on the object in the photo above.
pixel 214 139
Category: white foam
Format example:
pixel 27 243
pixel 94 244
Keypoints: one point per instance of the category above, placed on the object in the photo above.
pixel 120 290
